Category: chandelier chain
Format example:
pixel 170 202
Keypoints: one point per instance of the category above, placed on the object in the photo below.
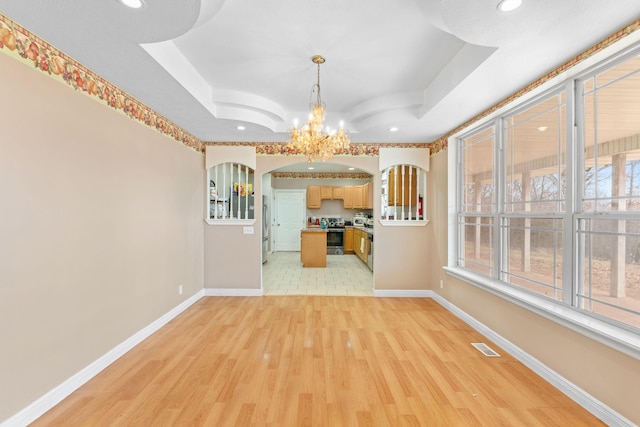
pixel 318 95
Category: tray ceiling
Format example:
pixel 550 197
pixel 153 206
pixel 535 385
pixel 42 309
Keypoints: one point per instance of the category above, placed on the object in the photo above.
pixel 423 66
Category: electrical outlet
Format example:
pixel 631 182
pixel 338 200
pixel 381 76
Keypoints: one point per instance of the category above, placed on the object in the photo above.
pixel 180 289
pixel 441 284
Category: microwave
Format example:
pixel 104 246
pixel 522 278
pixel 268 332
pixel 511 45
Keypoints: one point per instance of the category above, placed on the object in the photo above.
pixel 358 221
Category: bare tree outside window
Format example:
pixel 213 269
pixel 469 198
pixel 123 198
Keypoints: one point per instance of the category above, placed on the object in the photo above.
pixel 578 244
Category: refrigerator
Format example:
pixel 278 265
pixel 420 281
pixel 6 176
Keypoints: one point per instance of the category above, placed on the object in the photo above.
pixel 265 229
pixel 239 208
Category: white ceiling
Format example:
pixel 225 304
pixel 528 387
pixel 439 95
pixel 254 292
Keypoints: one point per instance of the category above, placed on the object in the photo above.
pixel 425 66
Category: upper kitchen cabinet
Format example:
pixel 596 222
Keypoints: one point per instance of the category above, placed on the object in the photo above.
pixel 358 196
pixel 316 194
pixel 338 193
pixel 363 196
pixel 368 195
pixel 348 196
pixel 403 186
pixel 352 196
pixel 314 197
pixel 326 192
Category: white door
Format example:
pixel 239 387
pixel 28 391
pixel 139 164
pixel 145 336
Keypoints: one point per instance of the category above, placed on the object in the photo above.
pixel 290 212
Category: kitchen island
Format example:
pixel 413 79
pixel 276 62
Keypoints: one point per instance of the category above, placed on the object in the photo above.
pixel 313 247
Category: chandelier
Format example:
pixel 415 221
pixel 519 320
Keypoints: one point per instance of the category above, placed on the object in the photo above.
pixel 314 140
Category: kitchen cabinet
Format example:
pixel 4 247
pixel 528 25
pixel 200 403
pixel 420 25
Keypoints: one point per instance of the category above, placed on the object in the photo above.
pixel 357 248
pixel 314 199
pixel 348 240
pixel 400 184
pixel 361 244
pixel 348 197
pixel 313 248
pixel 326 192
pixel 358 196
pixel 352 196
pixel 338 193
pixel 363 196
pixel 367 195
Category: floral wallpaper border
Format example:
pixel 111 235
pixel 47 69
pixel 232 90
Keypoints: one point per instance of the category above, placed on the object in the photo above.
pixel 355 148
pixel 442 142
pixel 320 175
pixel 21 44
pixel 18 42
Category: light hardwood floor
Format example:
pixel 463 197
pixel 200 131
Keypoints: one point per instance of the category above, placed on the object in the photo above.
pixel 316 361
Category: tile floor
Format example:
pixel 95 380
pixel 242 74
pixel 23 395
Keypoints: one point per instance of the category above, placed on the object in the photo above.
pixel 283 274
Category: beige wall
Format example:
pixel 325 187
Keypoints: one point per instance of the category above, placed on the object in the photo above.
pixel 101 221
pixel 233 259
pixel 606 374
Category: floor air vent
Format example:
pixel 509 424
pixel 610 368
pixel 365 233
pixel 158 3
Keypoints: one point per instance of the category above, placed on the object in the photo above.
pixel 485 349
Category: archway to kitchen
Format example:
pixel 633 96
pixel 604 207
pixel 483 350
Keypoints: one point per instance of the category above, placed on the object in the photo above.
pixel 345 274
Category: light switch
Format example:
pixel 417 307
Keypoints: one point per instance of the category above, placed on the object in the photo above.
pixel 247 230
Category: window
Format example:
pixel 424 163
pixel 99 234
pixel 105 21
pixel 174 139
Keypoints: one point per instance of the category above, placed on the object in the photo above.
pixel 478 201
pixel 231 192
pixel 609 222
pixel 548 200
pixel 403 189
pixel 534 196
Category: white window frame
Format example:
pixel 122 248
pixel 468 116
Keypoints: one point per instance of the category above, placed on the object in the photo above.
pixel 623 338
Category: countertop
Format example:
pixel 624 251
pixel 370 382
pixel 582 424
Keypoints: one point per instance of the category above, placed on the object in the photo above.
pixel 365 229
pixel 314 230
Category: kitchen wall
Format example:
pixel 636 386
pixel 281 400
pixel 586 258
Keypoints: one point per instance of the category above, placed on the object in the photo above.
pixel 329 207
pixel 102 220
pixel 606 374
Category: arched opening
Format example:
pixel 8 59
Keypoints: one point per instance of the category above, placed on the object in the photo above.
pixel 286 183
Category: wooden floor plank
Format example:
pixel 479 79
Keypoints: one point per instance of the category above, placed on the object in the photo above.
pixel 316 361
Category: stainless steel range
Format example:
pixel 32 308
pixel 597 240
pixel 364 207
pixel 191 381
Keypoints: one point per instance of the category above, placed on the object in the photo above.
pixel 335 235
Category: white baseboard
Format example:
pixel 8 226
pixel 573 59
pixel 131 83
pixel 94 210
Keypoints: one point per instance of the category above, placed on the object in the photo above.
pixel 580 396
pixel 228 292
pixel 56 395
pixel 406 293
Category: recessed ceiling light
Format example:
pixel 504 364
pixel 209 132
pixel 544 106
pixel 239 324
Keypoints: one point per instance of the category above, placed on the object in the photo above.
pixel 240 127
pixel 135 4
pixel 351 169
pixel 509 5
pixel 311 168
pixel 393 129
pixel 542 128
